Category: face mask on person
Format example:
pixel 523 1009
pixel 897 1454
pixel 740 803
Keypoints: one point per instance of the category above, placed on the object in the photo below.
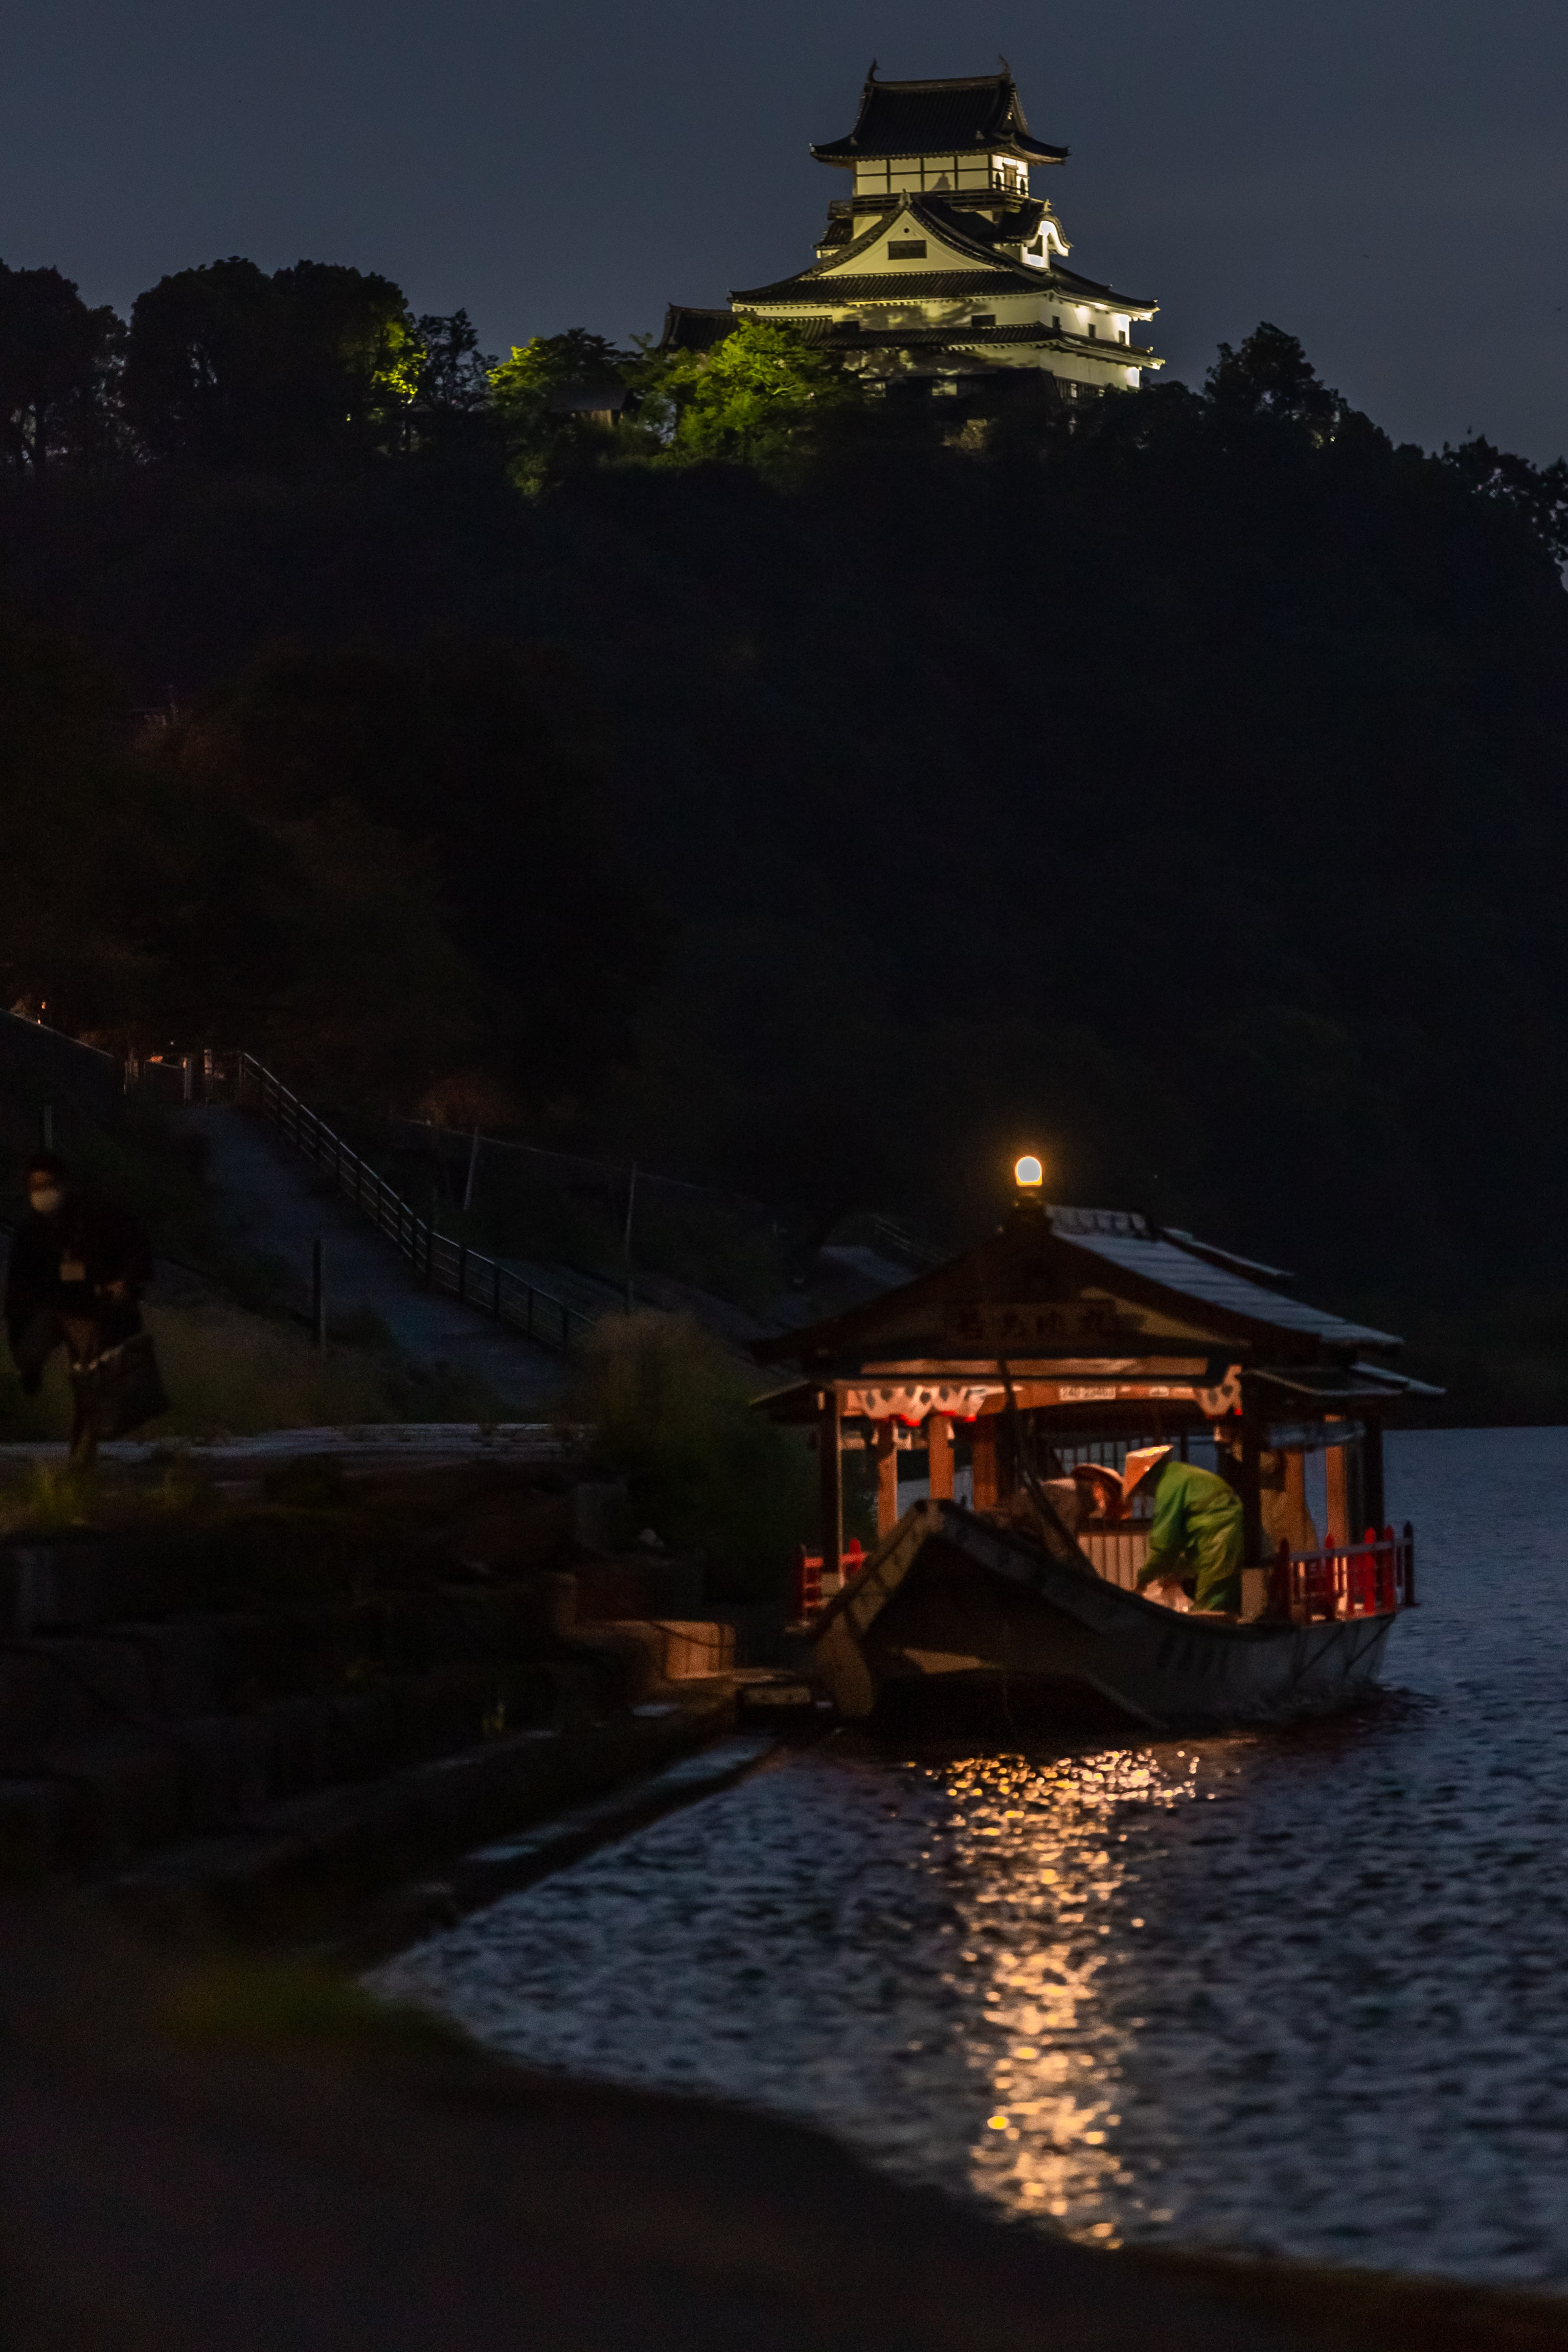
pixel 46 1198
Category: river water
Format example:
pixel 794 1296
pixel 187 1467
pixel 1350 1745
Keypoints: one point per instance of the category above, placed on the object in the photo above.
pixel 1305 1991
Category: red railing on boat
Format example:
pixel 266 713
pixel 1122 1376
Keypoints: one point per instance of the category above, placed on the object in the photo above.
pixel 812 1593
pixel 1371 1578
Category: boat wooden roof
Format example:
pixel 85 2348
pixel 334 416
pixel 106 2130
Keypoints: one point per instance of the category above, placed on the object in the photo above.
pixel 1060 1282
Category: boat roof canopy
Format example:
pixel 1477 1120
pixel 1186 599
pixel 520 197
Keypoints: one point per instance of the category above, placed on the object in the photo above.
pixel 1083 1289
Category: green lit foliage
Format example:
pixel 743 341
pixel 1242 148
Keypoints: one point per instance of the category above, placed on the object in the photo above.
pixel 762 394
pixel 227 366
pixel 762 397
pixel 56 371
pixel 521 386
pixel 548 399
pixel 671 1410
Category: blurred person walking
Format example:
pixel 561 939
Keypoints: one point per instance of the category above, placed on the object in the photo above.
pixel 79 1262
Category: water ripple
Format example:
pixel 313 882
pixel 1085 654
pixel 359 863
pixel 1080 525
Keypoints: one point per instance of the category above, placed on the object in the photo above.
pixel 1297 1992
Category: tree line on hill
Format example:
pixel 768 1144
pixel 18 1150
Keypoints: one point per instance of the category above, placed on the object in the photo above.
pixel 1176 785
pixel 319 365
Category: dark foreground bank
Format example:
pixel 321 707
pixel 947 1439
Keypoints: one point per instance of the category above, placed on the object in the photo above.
pixel 227 2154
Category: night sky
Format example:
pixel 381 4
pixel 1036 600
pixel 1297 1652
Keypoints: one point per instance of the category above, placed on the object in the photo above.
pixel 1388 182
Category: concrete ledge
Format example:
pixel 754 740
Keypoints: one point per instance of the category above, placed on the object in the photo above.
pixel 295 1869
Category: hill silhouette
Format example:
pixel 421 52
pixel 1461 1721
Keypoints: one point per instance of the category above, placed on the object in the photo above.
pixel 1179 789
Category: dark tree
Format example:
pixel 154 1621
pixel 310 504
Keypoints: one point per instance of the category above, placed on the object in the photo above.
pixel 226 366
pixel 453 373
pixel 452 752
pixel 1538 495
pixel 56 362
pixel 1272 376
pixel 196 360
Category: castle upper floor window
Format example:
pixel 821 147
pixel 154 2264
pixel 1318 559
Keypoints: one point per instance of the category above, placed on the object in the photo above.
pixel 895 175
pixel 907 248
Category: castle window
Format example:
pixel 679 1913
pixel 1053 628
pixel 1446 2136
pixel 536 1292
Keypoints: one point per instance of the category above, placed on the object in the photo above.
pixel 984 318
pixel 909 248
pixel 1093 329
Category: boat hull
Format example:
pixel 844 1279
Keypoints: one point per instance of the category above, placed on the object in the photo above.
pixel 950 1601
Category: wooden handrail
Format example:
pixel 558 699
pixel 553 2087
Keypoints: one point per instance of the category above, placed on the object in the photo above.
pixel 810 1598
pixel 1374 1578
pixel 438 1261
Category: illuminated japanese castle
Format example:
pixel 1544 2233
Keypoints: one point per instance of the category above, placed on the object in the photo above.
pixel 942 263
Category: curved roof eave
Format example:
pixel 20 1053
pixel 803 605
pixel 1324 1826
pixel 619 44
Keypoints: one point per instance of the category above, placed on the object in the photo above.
pixel 1067 279
pixel 822 273
pixel 846 153
pixel 975 114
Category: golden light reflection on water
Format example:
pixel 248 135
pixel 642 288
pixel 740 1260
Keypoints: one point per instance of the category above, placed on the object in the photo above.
pixel 1046 1896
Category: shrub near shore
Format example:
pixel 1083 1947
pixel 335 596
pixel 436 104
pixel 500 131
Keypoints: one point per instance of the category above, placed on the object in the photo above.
pixel 672 1410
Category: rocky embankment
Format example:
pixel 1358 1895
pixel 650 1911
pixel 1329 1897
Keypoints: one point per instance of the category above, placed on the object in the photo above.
pixel 245 1716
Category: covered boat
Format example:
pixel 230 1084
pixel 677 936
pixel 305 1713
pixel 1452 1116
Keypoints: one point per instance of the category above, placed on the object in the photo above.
pixel 1073 1339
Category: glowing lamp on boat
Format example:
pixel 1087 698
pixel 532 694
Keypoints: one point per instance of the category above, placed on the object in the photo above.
pixel 1028 1173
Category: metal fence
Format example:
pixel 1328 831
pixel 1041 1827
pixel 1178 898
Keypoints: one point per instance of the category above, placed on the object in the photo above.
pixel 439 1263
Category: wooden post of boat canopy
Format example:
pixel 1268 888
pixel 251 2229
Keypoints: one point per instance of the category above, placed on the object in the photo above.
pixel 1251 1484
pixel 983 1458
pixel 1335 1465
pixel 1372 1474
pixel 1354 1490
pixel 939 1456
pixel 830 1466
pixel 1297 1519
pixel 886 1479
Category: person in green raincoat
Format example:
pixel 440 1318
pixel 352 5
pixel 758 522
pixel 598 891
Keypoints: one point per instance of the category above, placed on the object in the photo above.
pixel 1197 1529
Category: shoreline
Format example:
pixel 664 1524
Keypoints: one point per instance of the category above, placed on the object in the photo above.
pixel 231 2150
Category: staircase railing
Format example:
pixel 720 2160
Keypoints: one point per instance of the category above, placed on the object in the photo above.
pixel 439 1262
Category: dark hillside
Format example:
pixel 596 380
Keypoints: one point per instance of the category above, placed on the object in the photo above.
pixel 1184 792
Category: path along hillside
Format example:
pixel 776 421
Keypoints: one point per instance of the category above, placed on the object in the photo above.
pixel 271 1205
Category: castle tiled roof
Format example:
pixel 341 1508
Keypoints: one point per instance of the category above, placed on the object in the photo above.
pixel 817 284
pixel 838 335
pixel 689 328
pixel 929 118
pixel 829 281
pixel 896 285
pixel 1061 281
